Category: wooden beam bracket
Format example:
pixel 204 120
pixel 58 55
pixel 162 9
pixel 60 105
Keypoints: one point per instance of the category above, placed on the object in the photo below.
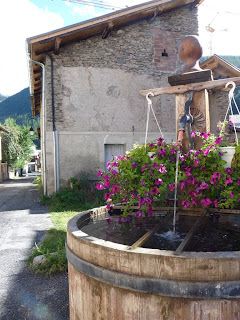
pixel 107 30
pixel 158 11
pixel 57 45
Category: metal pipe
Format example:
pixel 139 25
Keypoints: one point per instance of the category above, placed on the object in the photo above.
pixel 56 160
pixel 43 126
pixel 55 135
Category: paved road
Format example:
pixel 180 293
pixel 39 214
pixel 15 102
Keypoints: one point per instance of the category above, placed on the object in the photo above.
pixel 23 221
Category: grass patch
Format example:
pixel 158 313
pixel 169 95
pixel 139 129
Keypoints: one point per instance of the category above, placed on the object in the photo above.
pixel 63 206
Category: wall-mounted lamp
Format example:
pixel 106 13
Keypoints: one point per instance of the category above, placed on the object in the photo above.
pixel 31 131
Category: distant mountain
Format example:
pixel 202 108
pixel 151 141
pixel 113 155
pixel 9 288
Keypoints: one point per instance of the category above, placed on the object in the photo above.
pixel 2 97
pixel 17 107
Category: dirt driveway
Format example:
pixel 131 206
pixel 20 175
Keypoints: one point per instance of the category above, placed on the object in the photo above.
pixel 23 221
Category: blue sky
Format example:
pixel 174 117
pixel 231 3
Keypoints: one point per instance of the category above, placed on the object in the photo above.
pixel 20 19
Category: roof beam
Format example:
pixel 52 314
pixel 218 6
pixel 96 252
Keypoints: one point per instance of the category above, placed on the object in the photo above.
pixel 57 45
pixel 156 13
pixel 37 70
pixel 107 30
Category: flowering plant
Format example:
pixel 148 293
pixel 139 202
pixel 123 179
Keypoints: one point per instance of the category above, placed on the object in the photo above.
pixel 147 173
pixel 141 176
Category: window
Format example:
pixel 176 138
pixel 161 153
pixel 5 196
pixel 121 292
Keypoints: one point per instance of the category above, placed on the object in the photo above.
pixel 113 150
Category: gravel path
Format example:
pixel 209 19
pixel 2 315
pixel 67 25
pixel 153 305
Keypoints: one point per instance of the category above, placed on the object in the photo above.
pixel 24 295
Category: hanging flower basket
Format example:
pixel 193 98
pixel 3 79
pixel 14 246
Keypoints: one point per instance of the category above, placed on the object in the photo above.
pixel 228 153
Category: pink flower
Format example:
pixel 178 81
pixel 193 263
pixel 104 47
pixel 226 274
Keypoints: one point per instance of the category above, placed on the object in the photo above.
pixel 182 158
pixel 215 203
pixel 119 219
pixel 230 122
pixel 114 172
pixel 155 165
pixel 155 191
pixel 99 173
pixel 231 195
pixel 162 169
pixel 196 163
pixel 138 214
pixel 188 171
pixel 193 133
pixel 158 181
pixel 206 152
pixel 182 184
pixel 171 187
pixel 144 167
pixel 185 203
pixel 162 152
pixel 194 201
pixel 215 176
pixel 229 170
pixel 218 140
pixel 115 188
pixel 134 165
pixel 189 181
pixel 108 207
pixel 150 211
pixel 203 185
pixel 238 182
pixel 205 135
pixel 106 184
pixel 173 151
pixel 206 202
pixel 100 186
pixel 159 142
pixel 228 180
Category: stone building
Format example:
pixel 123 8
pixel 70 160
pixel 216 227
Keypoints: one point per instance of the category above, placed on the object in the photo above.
pixel 89 98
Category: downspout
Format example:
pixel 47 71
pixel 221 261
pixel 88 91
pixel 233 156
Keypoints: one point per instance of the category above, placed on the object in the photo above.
pixel 55 135
pixel 43 125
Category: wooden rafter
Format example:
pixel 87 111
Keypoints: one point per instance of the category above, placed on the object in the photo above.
pixel 57 45
pixel 107 30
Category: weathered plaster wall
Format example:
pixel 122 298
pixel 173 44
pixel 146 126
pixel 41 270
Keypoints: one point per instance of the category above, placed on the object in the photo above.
pixel 96 85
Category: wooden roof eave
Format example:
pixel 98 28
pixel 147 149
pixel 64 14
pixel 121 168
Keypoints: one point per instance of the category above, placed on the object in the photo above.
pixel 4 130
pixel 39 45
pixel 220 66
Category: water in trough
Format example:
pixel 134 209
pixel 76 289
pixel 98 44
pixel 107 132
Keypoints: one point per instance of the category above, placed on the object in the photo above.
pixel 217 232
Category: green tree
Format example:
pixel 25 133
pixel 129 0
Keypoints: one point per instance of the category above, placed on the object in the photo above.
pixel 17 145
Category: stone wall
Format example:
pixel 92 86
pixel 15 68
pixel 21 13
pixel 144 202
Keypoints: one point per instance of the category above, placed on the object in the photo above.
pixel 96 85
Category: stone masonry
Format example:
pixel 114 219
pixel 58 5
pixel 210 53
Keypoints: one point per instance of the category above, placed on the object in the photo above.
pixel 96 85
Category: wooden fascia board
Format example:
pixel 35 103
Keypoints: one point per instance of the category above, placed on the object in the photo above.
pixel 110 17
pixel 218 64
pixel 4 130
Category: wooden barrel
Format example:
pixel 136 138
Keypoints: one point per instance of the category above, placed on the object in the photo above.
pixel 107 281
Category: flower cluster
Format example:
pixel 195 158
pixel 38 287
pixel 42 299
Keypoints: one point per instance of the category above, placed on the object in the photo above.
pixel 140 177
pixel 146 174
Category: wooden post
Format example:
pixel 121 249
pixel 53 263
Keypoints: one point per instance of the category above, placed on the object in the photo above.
pixel 200 112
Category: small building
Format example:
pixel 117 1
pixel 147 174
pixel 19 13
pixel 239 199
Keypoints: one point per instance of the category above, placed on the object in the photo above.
pixel 94 71
pixel 221 69
pixel 3 166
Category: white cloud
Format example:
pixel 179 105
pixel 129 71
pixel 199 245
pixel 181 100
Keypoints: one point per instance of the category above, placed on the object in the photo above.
pixel 20 19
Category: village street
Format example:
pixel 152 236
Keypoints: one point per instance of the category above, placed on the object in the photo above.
pixel 24 295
